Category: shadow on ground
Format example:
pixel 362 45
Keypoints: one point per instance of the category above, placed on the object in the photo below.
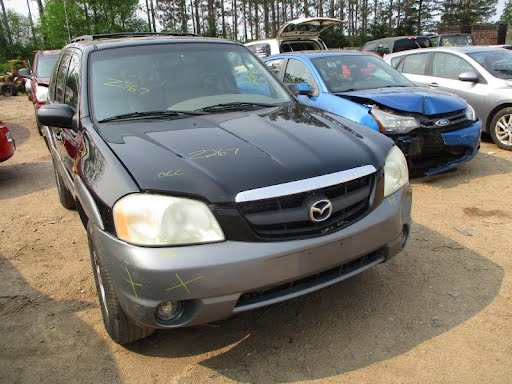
pixel 43 341
pixel 25 178
pixel 483 165
pixel 19 132
pixel 432 287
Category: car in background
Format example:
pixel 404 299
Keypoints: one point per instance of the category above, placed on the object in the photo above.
pixel 39 76
pixel 435 130
pixel 451 40
pixel 481 75
pixel 7 144
pixel 295 35
pixel 396 44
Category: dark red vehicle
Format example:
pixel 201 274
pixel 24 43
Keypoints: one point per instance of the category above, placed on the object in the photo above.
pixel 7 145
pixel 39 76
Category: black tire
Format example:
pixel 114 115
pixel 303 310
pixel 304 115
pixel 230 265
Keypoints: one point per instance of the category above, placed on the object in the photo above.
pixel 501 128
pixel 9 90
pixel 119 327
pixel 39 126
pixel 65 197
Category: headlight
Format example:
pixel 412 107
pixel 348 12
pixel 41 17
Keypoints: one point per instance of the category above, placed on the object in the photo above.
pixel 41 93
pixel 145 219
pixel 396 173
pixel 391 123
pixel 470 113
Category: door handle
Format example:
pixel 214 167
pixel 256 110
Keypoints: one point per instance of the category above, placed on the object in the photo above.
pixel 433 85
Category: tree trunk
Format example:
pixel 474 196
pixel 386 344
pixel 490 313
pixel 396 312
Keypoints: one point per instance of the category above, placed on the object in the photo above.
pixel 266 21
pixel 184 19
pixel 223 15
pixel 198 22
pixel 152 9
pixel 245 20
pixel 31 22
pixel 7 30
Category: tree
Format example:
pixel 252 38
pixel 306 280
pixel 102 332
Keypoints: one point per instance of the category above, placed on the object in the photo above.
pixel 506 17
pixel 468 12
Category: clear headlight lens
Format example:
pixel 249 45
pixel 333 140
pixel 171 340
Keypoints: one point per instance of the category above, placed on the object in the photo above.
pixel 41 93
pixel 391 123
pixel 470 113
pixel 145 219
pixel 396 172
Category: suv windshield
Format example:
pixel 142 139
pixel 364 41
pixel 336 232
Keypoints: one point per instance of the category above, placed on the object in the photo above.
pixel 346 73
pixel 498 62
pixel 180 78
pixel 45 65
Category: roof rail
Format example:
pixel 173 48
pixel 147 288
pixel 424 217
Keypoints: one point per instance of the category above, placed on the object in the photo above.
pixel 129 34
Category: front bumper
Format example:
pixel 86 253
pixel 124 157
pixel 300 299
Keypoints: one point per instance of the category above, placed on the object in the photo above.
pixel 216 280
pixel 430 152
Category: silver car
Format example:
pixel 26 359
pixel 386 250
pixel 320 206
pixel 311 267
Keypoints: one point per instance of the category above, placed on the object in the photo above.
pixel 481 75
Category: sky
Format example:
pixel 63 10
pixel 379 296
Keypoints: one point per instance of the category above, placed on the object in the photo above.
pixel 20 6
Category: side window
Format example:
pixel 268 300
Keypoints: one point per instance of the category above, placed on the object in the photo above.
pixel 60 88
pixel 398 63
pixel 415 64
pixel 371 47
pixel 383 49
pixel 297 72
pixel 276 66
pixel 53 80
pixel 449 66
pixel 72 83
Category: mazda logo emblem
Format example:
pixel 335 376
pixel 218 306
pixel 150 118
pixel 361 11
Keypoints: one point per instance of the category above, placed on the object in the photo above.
pixel 320 211
pixel 442 122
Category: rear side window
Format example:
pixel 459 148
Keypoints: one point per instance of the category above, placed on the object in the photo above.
pixel 449 66
pixel 297 72
pixel 276 66
pixel 414 64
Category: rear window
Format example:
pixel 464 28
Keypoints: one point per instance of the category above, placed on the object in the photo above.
pixel 290 46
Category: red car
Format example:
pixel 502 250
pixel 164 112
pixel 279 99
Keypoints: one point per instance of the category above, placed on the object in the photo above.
pixel 39 76
pixel 7 145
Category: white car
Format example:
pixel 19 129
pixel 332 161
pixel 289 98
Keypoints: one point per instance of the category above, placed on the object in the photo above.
pixel 295 35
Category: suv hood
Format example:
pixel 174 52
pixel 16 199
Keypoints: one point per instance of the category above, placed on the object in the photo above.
pixel 308 27
pixel 216 156
pixel 408 99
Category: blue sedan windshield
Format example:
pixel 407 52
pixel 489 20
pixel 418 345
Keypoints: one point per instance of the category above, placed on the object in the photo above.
pixel 345 73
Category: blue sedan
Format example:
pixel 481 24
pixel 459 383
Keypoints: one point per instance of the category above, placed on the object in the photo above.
pixel 436 130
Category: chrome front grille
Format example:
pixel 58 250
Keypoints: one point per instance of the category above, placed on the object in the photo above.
pixel 288 217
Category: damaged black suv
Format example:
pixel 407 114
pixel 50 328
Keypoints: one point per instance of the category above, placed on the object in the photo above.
pixel 206 189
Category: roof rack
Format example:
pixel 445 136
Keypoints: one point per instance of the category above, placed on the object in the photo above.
pixel 129 34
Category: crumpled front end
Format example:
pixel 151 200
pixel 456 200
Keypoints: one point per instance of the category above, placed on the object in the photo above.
pixel 435 150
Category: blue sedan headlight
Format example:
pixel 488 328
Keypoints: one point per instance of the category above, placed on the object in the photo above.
pixel 391 123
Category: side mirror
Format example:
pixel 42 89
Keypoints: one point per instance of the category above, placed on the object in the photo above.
pixel 56 115
pixel 300 89
pixel 470 77
pixel 25 73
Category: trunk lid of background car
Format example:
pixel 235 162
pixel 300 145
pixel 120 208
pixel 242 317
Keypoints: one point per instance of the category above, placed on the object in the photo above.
pixel 216 156
pixel 416 100
pixel 308 28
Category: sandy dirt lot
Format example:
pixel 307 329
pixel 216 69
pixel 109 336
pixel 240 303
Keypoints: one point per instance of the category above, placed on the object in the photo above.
pixel 440 312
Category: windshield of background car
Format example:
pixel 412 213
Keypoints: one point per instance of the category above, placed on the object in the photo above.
pixel 498 62
pixel 179 77
pixel 346 73
pixel 45 65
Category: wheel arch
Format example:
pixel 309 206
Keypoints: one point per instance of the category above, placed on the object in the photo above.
pixel 492 113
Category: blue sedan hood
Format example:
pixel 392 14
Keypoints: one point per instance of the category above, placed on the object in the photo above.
pixel 408 99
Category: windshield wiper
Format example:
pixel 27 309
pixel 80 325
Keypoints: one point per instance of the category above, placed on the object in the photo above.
pixel 233 106
pixel 150 115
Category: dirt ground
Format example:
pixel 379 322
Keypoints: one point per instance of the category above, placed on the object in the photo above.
pixel 440 312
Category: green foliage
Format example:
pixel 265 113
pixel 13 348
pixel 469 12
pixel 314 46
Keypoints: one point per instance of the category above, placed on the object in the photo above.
pixel 506 17
pixel 468 12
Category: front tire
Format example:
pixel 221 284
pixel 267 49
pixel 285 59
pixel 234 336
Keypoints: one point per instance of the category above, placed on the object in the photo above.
pixel 65 197
pixel 119 327
pixel 501 128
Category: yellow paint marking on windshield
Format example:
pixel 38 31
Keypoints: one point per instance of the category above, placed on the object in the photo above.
pixel 207 153
pixel 126 85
